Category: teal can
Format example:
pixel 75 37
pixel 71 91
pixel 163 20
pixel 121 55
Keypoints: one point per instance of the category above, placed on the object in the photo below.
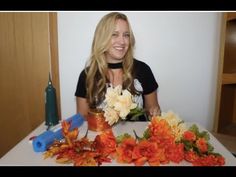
pixel 51 111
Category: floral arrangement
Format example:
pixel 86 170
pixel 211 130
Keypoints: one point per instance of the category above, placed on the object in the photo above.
pixel 165 140
pixel 118 104
pixel 198 149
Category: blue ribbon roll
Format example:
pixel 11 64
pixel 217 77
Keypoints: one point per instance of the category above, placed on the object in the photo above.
pixel 44 140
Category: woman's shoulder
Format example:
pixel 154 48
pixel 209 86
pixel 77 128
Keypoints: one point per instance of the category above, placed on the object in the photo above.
pixel 137 61
pixel 83 74
pixel 140 64
pixel 84 71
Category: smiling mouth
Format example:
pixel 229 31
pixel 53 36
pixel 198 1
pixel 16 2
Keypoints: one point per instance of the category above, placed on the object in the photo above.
pixel 119 48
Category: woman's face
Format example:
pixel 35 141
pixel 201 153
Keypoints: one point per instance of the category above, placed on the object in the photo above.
pixel 119 43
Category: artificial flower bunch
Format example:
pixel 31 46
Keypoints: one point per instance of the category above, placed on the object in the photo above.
pixel 198 150
pixel 157 145
pixel 118 104
pixel 166 139
pixel 82 152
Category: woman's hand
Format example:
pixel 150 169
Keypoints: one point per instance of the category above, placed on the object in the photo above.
pixel 155 111
pixel 152 105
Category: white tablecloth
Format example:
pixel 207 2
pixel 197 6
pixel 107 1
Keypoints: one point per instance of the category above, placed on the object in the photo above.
pixel 23 154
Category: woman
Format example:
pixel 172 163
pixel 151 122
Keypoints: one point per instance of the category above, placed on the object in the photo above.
pixel 112 63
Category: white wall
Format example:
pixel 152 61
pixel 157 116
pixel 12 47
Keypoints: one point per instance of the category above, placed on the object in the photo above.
pixel 181 48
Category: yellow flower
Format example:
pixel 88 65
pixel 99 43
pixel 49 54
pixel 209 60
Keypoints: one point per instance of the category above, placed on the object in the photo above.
pixel 178 127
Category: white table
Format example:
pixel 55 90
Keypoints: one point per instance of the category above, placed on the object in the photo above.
pixel 23 154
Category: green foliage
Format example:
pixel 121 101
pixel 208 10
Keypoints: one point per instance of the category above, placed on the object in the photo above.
pixel 120 138
pixel 203 134
pixel 146 134
pixel 136 112
pixel 210 148
pixel 188 145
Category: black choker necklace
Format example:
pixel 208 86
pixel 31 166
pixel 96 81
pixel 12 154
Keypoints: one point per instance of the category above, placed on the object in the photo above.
pixel 115 65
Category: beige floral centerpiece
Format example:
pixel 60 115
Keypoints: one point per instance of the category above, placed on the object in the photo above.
pixel 118 104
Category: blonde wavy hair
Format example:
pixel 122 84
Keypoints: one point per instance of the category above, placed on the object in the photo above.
pixel 97 68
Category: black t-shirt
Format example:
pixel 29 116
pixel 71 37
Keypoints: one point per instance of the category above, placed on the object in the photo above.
pixel 143 75
pixel 144 82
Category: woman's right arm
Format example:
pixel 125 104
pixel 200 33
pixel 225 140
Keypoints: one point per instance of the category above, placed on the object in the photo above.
pixel 82 106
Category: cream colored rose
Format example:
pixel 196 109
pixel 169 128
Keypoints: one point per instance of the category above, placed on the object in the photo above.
pixel 111 96
pixel 124 104
pixel 118 104
pixel 111 115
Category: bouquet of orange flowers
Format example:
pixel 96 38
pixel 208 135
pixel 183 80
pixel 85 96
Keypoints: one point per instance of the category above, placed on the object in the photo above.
pixel 198 150
pixel 167 139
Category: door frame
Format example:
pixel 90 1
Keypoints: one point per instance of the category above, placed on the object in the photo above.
pixel 53 31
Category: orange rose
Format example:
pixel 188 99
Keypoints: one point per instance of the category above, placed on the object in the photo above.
pixel 189 135
pixel 202 145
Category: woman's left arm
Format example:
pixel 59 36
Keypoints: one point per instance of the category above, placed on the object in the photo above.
pixel 151 104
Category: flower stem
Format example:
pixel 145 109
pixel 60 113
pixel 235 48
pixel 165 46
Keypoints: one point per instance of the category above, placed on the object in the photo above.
pixel 136 136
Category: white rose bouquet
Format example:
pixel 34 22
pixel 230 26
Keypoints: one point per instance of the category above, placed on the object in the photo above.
pixel 118 104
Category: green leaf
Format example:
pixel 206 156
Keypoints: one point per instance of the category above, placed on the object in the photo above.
pixel 135 116
pixel 215 154
pixel 194 129
pixel 136 110
pixel 205 135
pixel 187 145
pixel 210 148
pixel 146 134
pixel 120 138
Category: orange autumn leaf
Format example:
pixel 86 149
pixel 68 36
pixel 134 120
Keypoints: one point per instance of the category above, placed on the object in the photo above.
pixel 65 127
pixel 82 144
pixel 70 136
pixel 86 158
pixel 56 148
pixel 90 158
pixel 66 156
